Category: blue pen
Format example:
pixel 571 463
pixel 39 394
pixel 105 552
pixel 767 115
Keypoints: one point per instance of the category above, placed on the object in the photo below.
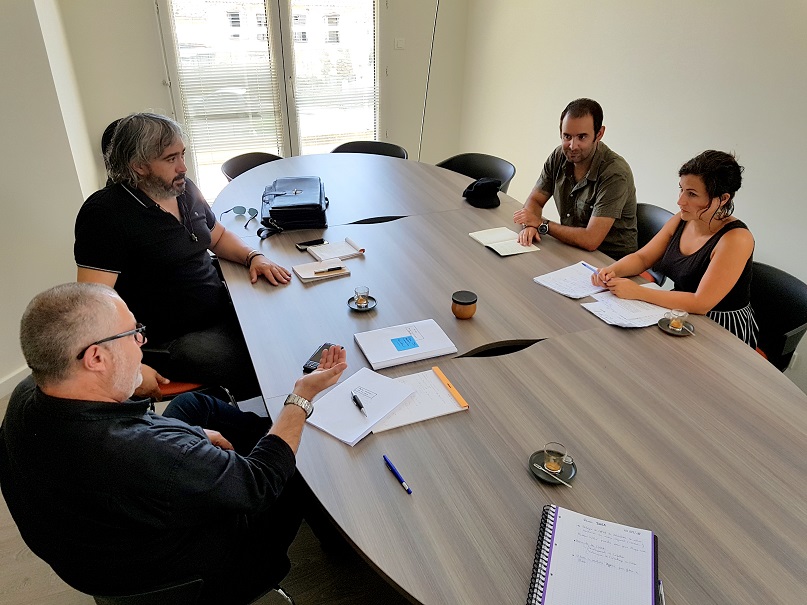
pixel 589 267
pixel 395 472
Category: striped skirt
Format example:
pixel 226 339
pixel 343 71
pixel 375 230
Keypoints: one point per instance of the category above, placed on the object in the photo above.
pixel 741 323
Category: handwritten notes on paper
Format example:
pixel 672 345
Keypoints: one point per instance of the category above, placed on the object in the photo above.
pixel 599 562
pixel 573 281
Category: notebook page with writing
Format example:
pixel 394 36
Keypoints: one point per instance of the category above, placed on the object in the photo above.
pixel 573 281
pixel 599 563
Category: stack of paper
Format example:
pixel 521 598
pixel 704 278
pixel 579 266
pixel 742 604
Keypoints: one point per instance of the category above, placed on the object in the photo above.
pixel 502 240
pixel 336 414
pixel 626 313
pixel 393 346
pixel 343 250
pixel 573 281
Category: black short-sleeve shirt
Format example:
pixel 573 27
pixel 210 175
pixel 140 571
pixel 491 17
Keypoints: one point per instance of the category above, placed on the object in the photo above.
pixel 165 274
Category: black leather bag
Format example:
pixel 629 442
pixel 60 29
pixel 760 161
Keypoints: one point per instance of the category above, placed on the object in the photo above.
pixel 293 203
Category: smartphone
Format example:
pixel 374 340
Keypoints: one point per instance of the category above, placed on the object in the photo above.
pixel 302 246
pixel 313 361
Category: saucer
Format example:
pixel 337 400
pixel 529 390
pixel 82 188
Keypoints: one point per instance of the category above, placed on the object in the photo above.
pixel 371 303
pixel 567 472
pixel 664 324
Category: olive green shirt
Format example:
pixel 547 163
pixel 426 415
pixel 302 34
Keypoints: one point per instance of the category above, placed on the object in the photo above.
pixel 607 190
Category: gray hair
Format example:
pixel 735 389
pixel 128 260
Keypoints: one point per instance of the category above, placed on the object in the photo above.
pixel 139 138
pixel 59 322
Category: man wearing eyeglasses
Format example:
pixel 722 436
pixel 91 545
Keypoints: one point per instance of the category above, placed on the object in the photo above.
pixel 147 234
pixel 120 500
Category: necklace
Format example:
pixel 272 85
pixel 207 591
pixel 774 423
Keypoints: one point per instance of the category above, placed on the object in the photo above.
pixel 182 213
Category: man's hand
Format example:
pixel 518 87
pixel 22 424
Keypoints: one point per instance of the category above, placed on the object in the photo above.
pixel 527 217
pixel 150 387
pixel 274 274
pixel 331 366
pixel 527 235
pixel 218 439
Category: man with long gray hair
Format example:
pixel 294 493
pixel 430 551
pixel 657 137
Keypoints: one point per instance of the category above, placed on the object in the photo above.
pixel 147 234
pixel 120 500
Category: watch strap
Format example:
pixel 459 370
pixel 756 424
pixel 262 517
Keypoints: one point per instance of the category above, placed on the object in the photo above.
pixel 294 399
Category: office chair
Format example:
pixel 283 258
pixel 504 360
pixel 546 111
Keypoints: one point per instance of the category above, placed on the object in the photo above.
pixel 479 165
pixel 246 161
pixel 374 147
pixel 649 221
pixel 780 307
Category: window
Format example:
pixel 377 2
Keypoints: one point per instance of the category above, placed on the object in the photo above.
pixel 229 90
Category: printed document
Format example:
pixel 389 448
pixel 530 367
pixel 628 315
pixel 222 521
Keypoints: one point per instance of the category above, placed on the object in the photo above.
pixel 625 313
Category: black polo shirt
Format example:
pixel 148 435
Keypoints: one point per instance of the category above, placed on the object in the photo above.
pixel 165 274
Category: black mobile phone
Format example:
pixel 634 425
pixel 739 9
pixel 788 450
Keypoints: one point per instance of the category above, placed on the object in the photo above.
pixel 302 246
pixel 313 361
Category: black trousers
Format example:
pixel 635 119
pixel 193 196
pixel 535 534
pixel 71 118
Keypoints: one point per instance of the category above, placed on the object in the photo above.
pixel 258 559
pixel 215 356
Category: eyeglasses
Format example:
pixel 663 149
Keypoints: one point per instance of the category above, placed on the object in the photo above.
pixel 139 334
pixel 241 211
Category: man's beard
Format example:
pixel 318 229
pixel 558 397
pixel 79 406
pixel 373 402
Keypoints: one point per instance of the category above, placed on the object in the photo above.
pixel 123 381
pixel 154 185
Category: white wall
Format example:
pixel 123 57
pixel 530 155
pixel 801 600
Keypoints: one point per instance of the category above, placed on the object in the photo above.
pixel 673 79
pixel 41 177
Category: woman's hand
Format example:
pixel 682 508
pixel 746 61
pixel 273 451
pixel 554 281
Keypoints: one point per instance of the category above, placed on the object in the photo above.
pixel 603 276
pixel 624 288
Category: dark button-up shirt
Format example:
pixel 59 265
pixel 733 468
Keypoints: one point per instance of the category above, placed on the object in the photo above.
pixel 607 190
pixel 107 492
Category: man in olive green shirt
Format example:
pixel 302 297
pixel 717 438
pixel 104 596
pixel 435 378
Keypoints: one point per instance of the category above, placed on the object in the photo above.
pixel 592 186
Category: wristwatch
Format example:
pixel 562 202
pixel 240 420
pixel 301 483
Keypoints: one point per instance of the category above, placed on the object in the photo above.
pixel 543 228
pixel 293 399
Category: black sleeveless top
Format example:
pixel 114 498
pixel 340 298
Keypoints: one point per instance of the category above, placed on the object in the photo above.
pixel 687 271
pixel 734 312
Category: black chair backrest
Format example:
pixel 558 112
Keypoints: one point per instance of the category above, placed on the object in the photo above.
pixel 649 221
pixel 246 161
pixel 479 165
pixel 780 307
pixel 186 593
pixel 373 147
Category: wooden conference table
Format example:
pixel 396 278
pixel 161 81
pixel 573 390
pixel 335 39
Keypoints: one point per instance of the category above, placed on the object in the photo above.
pixel 696 438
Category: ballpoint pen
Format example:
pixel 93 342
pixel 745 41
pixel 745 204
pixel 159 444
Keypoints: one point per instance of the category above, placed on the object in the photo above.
pixel 398 476
pixel 589 267
pixel 358 402
pixel 328 270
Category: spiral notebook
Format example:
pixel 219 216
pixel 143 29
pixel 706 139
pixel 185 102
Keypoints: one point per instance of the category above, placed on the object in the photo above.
pixel 581 559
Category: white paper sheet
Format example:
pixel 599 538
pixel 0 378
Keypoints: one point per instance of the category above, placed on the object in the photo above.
pixel 625 313
pixel 336 414
pixel 573 281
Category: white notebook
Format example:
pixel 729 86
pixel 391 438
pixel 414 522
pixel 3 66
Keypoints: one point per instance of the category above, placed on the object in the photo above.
pixel 434 396
pixel 326 269
pixel 393 346
pixel 336 414
pixel 502 241
pixel 343 250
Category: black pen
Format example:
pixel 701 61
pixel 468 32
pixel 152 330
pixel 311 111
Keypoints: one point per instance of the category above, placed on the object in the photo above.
pixel 358 403
pixel 328 270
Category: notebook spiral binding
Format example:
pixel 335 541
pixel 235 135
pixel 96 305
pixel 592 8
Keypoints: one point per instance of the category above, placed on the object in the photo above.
pixel 538 581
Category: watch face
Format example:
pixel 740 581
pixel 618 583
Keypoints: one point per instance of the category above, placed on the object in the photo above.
pixel 543 229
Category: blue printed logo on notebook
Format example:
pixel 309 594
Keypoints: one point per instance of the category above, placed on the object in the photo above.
pixel 404 343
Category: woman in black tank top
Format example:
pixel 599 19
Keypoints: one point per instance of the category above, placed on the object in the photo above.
pixel 706 252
